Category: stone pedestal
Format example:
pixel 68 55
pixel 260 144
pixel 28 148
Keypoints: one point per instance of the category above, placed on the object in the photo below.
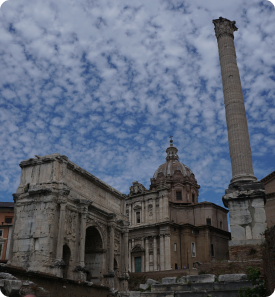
pixel 247 218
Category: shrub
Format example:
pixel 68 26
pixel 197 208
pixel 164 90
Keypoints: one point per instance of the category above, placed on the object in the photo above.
pixel 259 290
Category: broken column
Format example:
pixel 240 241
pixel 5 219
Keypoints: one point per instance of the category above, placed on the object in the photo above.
pixel 245 196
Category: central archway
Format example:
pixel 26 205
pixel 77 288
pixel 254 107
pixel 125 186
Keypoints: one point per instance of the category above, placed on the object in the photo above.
pixel 93 253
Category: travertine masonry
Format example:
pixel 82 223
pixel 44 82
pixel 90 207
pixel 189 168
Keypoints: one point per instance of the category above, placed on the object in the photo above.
pixel 69 223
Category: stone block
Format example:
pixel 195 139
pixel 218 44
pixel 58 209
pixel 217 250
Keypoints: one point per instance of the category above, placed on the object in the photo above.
pixel 241 218
pixel 237 232
pixel 232 286
pixel 12 287
pixel 134 294
pixel 257 203
pixel 257 230
pixel 169 280
pixel 144 286
pixel 259 215
pixel 151 281
pixel 202 286
pixel 202 278
pixel 248 233
pixel 232 277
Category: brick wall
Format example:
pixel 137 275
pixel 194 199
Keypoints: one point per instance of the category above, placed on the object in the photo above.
pixel 229 267
pixel 269 260
pixel 249 252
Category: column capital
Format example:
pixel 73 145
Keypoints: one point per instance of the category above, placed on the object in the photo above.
pixel 224 26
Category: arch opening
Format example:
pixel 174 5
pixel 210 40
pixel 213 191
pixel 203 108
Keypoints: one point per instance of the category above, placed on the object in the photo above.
pixel 93 253
pixel 66 259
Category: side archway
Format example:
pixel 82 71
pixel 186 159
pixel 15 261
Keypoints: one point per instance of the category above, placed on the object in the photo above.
pixel 66 259
pixel 94 253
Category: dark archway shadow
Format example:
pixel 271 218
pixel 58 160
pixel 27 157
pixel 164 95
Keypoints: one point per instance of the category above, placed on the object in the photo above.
pixel 93 253
pixel 66 259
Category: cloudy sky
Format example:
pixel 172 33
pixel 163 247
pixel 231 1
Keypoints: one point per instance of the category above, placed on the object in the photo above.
pixel 107 82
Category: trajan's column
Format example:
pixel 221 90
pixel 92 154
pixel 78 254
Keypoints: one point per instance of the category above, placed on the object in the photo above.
pixel 245 196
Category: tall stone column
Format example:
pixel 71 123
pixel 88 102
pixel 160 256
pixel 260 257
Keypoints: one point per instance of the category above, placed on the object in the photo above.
pixel 155 254
pixel 111 250
pixel 126 254
pixel 167 252
pixel 82 237
pixel 60 239
pixel 129 255
pixel 245 197
pixel 161 252
pixel 130 214
pixel 147 260
pixel 238 136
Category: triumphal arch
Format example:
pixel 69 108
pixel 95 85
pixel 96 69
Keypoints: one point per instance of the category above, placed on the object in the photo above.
pixel 69 223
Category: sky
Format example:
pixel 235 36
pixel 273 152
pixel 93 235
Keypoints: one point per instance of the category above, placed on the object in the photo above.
pixel 107 82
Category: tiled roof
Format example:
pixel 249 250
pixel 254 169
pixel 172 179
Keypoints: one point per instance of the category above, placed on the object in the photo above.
pixel 7 204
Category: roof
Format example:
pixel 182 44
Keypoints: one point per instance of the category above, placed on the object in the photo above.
pixel 7 204
pixel 268 177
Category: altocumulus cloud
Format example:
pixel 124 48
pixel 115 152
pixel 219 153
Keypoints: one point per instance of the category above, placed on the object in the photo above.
pixel 106 83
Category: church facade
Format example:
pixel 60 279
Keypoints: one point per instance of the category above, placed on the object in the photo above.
pixel 169 228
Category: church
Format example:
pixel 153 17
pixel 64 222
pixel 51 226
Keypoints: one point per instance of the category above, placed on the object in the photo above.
pixel 169 228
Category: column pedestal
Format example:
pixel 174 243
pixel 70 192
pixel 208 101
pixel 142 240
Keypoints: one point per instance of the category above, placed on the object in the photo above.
pixel 247 218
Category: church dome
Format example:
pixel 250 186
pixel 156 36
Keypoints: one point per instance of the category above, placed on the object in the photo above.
pixel 172 164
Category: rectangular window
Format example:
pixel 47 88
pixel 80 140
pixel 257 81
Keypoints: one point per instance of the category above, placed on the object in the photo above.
pixel 175 247
pixel 220 224
pixel 138 217
pixel 8 220
pixel 208 222
pixel 1 250
pixel 178 196
pixel 1 232
pixel 193 249
pixel 194 265
pixel 193 198
pixel 212 250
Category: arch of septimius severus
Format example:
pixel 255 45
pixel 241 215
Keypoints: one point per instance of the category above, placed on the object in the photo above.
pixel 70 224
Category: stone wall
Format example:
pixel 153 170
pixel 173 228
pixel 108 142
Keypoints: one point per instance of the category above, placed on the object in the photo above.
pixel 269 259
